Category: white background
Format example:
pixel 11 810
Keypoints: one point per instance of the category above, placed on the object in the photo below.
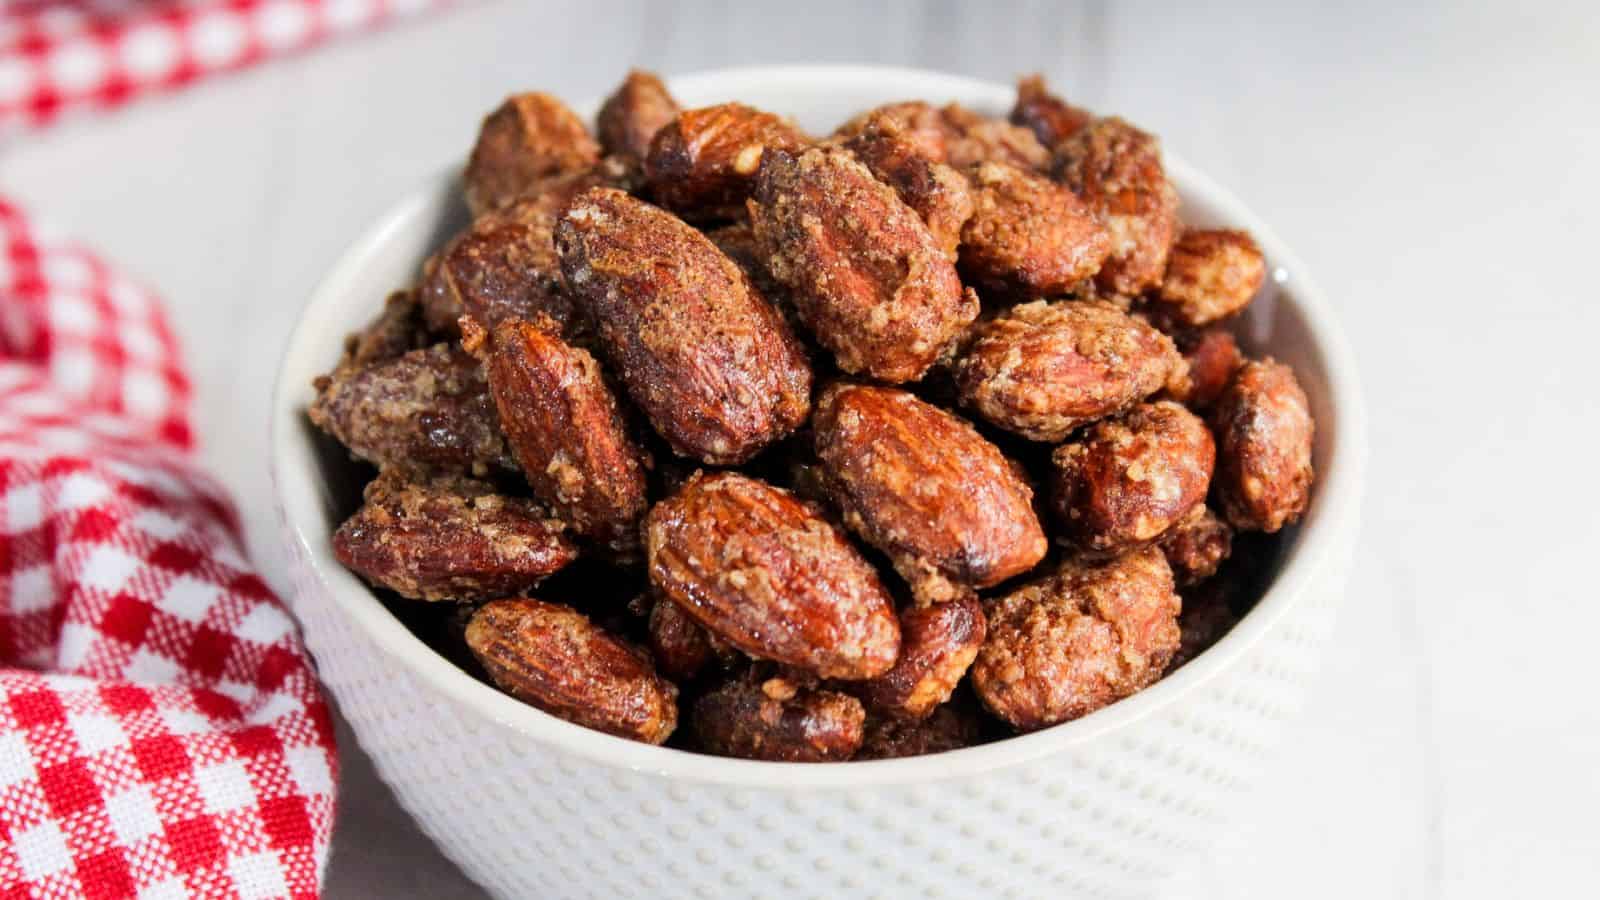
pixel 1436 168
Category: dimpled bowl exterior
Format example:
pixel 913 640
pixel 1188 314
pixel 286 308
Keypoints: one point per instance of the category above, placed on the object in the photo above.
pixel 529 806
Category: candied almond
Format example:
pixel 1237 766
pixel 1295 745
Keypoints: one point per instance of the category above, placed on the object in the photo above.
pixel 1128 479
pixel 566 430
pixel 1117 170
pixel 938 193
pixel 1212 356
pixel 702 164
pixel 1197 546
pixel 552 657
pixel 922 123
pixel 974 138
pixel 1067 645
pixel 778 721
pixel 1029 235
pixel 764 572
pixel 937 645
pixel 426 410
pixel 631 116
pixel 1211 274
pixel 528 138
pixel 950 727
pixel 1043 369
pixel 449 538
pixel 709 360
pixel 1264 433
pixel 926 488
pixel 1050 118
pixel 865 274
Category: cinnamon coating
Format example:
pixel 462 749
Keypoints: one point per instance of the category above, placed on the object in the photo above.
pixel 1264 434
pixel 1117 170
pixel 530 137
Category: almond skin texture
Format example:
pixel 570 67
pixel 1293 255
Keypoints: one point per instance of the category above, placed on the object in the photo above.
pixel 424 411
pixel 950 727
pixel 708 359
pixel 1129 479
pixel 1116 169
pixel 566 431
pixel 939 194
pixel 1211 274
pixel 1212 356
pixel 1196 546
pixel 505 265
pixel 449 539
pixel 937 645
pixel 552 657
pixel 1028 235
pixel 530 137
pixel 921 123
pixel 630 117
pixel 1043 369
pixel 761 570
pixel 702 165
pixel 1264 433
pixel 1050 118
pixel 924 487
pixel 865 274
pixel 973 138
pixel 779 721
pixel 1067 645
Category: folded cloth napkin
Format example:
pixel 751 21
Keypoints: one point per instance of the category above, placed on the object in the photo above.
pixel 161 730
pixel 60 55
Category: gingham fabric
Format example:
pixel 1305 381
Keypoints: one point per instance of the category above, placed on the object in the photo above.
pixel 161 730
pixel 61 55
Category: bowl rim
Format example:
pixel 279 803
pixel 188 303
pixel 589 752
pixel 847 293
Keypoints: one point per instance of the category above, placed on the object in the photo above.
pixel 1319 544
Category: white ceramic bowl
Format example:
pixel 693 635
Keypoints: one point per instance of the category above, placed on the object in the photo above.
pixel 532 806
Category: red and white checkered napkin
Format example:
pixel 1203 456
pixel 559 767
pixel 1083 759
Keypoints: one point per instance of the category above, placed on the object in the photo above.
pixel 60 55
pixel 161 730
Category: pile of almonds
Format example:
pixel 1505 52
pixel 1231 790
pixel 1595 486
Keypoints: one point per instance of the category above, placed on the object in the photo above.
pixel 853 447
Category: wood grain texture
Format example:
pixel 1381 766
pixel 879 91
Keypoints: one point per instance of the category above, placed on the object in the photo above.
pixel 1433 164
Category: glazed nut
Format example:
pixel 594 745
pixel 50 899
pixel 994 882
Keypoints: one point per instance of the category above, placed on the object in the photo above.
pixel 566 431
pixel 682 649
pixel 1043 369
pixel 708 359
pixel 1211 274
pixel 530 137
pixel 926 488
pixel 1028 235
pixel 1212 357
pixel 761 570
pixel 1116 169
pixel 631 116
pixel 424 411
pixel 972 138
pixel 887 146
pixel 867 277
pixel 1264 432
pixel 778 721
pixel 396 331
pixel 1065 646
pixel 1050 118
pixel 552 657
pixel 449 538
pixel 949 727
pixel 702 164
pixel 1128 480
pixel 1196 546
pixel 937 645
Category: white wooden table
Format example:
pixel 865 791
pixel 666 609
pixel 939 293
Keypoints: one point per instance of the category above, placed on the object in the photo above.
pixel 1436 169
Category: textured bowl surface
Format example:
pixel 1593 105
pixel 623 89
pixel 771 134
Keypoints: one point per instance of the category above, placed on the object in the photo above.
pixel 531 806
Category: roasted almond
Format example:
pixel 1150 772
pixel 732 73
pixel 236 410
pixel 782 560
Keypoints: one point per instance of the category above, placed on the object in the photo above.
pixel 639 108
pixel 1028 235
pixel 973 138
pixel 1127 480
pixel 866 276
pixel 424 411
pixel 1196 546
pixel 1117 170
pixel 1065 646
pixel 449 538
pixel 552 657
pixel 702 164
pixel 1043 369
pixel 708 359
pixel 889 148
pixel 1212 273
pixel 923 486
pixel 566 431
pixel 766 573
pixel 1264 432
pixel 937 645
pixel 530 137
pixel 1050 118
pixel 778 720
